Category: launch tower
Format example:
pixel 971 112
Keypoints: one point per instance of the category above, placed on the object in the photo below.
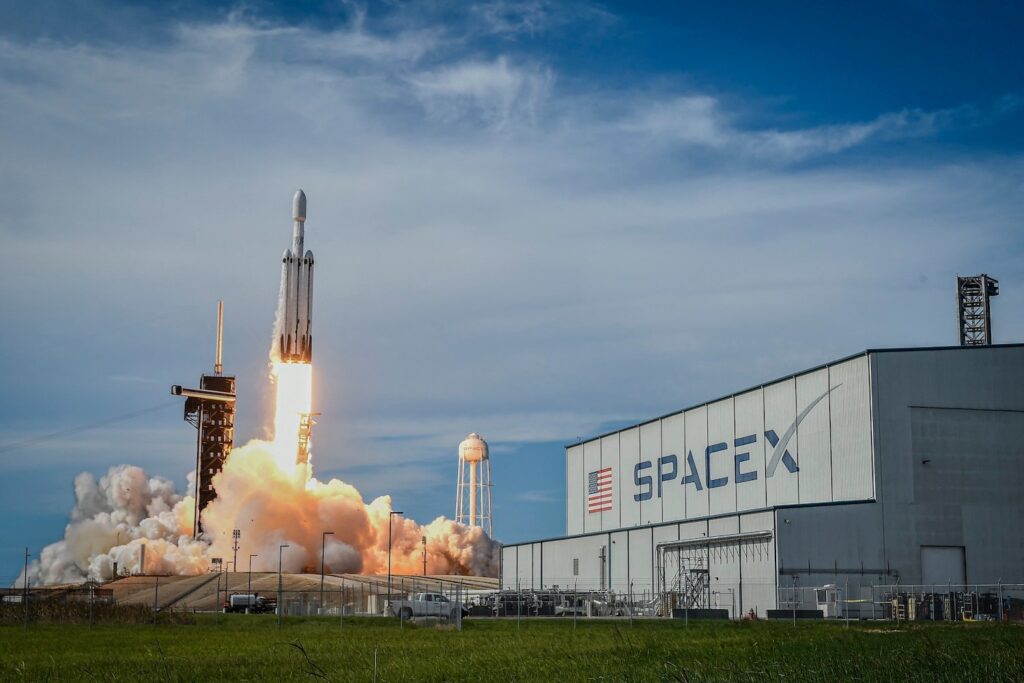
pixel 974 309
pixel 211 410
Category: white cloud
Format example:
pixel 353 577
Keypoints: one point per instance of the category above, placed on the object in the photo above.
pixel 496 254
pixel 497 91
pixel 699 121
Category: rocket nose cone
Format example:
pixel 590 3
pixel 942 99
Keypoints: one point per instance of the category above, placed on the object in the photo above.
pixel 299 206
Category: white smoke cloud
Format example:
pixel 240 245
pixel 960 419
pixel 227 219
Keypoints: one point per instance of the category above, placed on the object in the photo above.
pixel 113 518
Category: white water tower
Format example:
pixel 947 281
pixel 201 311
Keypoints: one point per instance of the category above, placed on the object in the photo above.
pixel 473 495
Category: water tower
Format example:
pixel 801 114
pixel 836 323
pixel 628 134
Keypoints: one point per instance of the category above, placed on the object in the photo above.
pixel 473 495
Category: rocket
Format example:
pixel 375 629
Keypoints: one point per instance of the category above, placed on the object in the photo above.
pixel 295 342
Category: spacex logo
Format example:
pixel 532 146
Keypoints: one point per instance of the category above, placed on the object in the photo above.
pixel 668 465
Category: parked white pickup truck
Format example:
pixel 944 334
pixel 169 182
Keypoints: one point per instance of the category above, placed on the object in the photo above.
pixel 427 605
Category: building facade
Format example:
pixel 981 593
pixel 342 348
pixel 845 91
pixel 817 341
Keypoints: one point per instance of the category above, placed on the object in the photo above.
pixel 900 465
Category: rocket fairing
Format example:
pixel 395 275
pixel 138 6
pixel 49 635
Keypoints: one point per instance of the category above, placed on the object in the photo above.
pixel 296 333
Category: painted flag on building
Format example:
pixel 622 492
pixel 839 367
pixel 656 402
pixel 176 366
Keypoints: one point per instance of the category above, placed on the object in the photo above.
pixel 599 490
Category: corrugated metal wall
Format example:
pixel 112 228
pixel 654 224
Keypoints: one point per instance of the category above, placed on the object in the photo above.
pixel 804 439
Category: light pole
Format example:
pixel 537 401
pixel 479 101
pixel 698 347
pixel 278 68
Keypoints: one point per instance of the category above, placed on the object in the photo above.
pixel 235 535
pixel 323 548
pixel 390 515
pixel 280 585
pixel 24 592
pixel 248 584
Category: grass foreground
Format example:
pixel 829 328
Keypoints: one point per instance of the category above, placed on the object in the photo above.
pixel 252 648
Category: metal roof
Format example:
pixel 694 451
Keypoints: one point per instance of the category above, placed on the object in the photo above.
pixel 866 352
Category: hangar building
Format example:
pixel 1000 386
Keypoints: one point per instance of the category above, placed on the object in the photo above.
pixel 893 465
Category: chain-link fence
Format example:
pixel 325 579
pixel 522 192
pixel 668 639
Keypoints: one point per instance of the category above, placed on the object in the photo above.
pixel 146 599
pixel 951 602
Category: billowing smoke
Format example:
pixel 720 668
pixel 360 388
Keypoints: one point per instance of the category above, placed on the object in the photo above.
pixel 126 508
pixel 110 522
pixel 263 492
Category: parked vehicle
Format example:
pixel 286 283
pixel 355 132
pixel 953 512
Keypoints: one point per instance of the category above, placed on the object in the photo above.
pixel 253 602
pixel 427 605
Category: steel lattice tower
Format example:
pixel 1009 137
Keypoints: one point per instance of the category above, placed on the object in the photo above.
pixel 973 309
pixel 211 410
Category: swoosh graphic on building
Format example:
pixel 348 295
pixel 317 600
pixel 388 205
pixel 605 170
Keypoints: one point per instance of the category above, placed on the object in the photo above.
pixel 780 447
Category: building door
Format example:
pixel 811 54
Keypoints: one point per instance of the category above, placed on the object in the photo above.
pixel 943 564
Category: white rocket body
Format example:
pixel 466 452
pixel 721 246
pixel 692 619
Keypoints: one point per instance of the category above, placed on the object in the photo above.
pixel 296 333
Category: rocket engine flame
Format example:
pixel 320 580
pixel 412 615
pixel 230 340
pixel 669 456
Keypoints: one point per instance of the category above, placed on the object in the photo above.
pixel 294 399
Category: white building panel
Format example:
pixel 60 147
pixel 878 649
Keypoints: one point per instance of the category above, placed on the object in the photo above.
pixel 610 459
pixel 673 453
pixel 812 404
pixel 748 467
pixel 509 566
pixel 693 468
pixel 575 494
pixel 719 465
pixel 619 561
pixel 641 565
pixel 724 565
pixel 663 534
pixel 853 475
pixel 650 452
pixel 757 565
pixel 629 456
pixel 692 530
pixel 525 566
pixel 592 503
pixel 781 451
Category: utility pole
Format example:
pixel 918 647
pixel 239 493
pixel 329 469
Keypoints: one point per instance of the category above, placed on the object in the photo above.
pixel 235 535
pixel 424 556
pixel 390 515
pixel 249 602
pixel 323 549
pixel 280 585
pixel 24 592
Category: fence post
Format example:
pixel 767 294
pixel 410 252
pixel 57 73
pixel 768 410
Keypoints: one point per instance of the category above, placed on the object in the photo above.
pixel 519 604
pixel 341 604
pixel 631 604
pixel 999 596
pixel 846 602
pixel 575 604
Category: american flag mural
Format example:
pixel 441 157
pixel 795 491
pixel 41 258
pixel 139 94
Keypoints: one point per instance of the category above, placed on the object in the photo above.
pixel 599 490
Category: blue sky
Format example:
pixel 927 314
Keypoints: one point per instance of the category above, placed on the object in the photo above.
pixel 532 220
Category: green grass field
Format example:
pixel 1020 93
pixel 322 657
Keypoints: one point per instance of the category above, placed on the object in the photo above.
pixel 252 648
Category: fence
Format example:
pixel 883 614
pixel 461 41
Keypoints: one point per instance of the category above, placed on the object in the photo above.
pixel 369 596
pixel 951 602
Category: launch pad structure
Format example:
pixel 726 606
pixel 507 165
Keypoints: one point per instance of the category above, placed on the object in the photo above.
pixel 211 410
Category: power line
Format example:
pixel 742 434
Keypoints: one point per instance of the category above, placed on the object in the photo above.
pixel 81 428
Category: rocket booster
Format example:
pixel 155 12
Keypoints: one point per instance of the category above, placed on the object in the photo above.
pixel 296 332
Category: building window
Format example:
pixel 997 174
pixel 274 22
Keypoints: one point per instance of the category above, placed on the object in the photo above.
pixel 575 566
